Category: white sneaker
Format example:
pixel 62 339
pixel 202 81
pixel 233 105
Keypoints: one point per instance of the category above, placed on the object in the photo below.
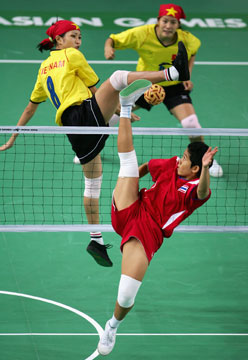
pixel 132 92
pixel 216 170
pixel 76 160
pixel 107 340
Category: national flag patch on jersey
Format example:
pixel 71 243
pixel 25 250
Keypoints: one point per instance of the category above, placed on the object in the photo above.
pixel 183 188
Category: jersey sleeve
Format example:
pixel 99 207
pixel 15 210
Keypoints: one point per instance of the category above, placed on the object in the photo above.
pixel 83 70
pixel 192 200
pixel 38 94
pixel 130 39
pixel 159 167
pixel 191 42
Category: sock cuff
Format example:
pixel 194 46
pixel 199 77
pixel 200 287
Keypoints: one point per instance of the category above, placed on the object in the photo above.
pixel 126 111
pixel 96 234
pixel 167 75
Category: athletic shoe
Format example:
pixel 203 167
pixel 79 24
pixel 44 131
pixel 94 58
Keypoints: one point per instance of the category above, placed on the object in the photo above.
pixel 216 170
pixel 99 253
pixel 107 340
pixel 181 62
pixel 132 92
pixel 76 160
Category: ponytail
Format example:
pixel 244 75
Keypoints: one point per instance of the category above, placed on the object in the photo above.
pixel 46 44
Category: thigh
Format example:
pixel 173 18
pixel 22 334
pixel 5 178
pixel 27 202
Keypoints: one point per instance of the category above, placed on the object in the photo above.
pixel 134 259
pixel 182 111
pixel 178 101
pixel 107 99
pixel 93 169
pixel 126 192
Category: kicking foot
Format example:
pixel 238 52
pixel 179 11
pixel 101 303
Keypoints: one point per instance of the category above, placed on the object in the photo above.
pixel 99 253
pixel 107 340
pixel 132 92
pixel 216 170
pixel 76 160
pixel 181 63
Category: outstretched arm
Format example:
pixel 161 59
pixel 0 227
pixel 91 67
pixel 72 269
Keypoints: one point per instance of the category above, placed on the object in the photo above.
pixel 203 186
pixel 24 119
pixel 109 51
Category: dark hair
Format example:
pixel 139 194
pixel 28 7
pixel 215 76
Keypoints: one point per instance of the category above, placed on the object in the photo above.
pixel 196 151
pixel 49 45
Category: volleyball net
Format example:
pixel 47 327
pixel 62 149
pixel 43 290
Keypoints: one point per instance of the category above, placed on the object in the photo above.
pixel 41 189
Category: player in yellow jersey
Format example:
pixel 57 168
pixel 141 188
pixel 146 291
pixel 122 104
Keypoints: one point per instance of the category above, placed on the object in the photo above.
pixel 69 82
pixel 156 46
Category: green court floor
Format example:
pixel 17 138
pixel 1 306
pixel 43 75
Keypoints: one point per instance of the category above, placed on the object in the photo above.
pixel 191 305
pixel 53 297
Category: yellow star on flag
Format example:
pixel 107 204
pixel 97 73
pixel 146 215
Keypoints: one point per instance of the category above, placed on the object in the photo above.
pixel 77 27
pixel 171 11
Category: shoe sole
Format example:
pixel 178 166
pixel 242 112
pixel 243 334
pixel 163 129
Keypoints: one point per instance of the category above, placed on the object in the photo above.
pixel 138 87
pixel 182 52
pixel 101 261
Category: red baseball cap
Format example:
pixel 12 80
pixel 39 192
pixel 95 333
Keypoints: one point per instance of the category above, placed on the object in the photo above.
pixel 171 10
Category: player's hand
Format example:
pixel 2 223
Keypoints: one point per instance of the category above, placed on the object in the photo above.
pixel 208 156
pixel 109 53
pixel 134 117
pixel 188 85
pixel 8 144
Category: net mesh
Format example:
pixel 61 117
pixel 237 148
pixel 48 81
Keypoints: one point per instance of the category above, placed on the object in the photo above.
pixel 40 184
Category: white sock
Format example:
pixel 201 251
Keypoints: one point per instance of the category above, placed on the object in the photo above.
pixel 114 323
pixel 126 111
pixel 97 236
pixel 171 74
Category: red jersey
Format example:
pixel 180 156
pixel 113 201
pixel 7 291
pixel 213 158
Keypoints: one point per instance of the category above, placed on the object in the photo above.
pixel 172 198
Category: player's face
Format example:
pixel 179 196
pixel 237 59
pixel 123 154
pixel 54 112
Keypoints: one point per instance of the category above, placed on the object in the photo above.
pixel 167 27
pixel 72 39
pixel 184 168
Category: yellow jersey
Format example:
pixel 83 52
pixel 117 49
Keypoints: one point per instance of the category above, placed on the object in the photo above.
pixel 153 55
pixel 64 77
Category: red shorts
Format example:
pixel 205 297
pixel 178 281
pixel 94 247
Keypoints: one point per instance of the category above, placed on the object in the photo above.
pixel 135 221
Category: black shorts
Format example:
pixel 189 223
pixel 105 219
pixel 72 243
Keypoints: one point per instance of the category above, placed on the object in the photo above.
pixel 174 95
pixel 86 146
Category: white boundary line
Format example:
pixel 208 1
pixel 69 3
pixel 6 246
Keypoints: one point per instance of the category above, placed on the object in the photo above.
pixel 124 334
pixel 187 334
pixel 77 312
pixel 129 62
